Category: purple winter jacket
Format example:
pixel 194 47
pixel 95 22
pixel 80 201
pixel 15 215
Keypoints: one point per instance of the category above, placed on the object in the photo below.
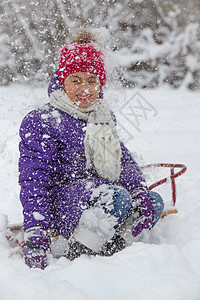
pixel 55 184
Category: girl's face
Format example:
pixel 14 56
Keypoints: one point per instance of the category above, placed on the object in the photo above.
pixel 82 88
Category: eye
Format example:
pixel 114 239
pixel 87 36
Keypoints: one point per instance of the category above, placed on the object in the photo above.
pixel 91 80
pixel 75 81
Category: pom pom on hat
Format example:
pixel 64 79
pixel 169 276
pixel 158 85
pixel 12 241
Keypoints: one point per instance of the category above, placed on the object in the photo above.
pixel 83 36
pixel 82 56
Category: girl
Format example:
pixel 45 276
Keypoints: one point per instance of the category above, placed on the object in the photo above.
pixel 77 179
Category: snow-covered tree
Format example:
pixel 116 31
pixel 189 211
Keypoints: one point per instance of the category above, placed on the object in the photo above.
pixel 152 42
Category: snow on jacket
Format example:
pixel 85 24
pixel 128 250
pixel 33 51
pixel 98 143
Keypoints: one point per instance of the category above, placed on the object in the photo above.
pixel 55 184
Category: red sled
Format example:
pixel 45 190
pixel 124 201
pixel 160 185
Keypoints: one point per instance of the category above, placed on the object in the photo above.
pixel 173 175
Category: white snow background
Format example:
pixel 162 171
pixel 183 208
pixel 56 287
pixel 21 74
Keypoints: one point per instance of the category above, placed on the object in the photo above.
pixel 163 266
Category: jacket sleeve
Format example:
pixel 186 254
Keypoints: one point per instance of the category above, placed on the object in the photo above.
pixel 38 152
pixel 132 179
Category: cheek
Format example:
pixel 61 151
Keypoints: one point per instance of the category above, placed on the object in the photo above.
pixel 96 90
pixel 70 89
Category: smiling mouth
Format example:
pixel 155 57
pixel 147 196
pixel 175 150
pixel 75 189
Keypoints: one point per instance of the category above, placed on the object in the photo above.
pixel 83 97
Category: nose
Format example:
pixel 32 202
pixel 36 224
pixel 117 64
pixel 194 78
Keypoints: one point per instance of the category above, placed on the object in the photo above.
pixel 84 90
pixel 84 87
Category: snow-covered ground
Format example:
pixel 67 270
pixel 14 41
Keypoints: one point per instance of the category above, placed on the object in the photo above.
pixel 159 125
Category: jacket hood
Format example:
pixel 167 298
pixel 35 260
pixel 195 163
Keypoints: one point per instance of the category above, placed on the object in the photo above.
pixel 54 84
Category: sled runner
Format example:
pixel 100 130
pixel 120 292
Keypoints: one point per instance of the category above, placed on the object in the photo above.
pixel 14 233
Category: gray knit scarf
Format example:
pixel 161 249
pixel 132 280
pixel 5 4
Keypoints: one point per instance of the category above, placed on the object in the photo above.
pixel 101 142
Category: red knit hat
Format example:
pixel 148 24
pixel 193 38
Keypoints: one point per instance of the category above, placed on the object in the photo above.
pixel 83 57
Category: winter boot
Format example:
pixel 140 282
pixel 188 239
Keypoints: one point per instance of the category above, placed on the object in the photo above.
pixel 116 244
pixel 76 249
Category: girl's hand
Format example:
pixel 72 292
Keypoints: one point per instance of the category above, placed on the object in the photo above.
pixel 34 252
pixel 143 214
pixel 35 258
